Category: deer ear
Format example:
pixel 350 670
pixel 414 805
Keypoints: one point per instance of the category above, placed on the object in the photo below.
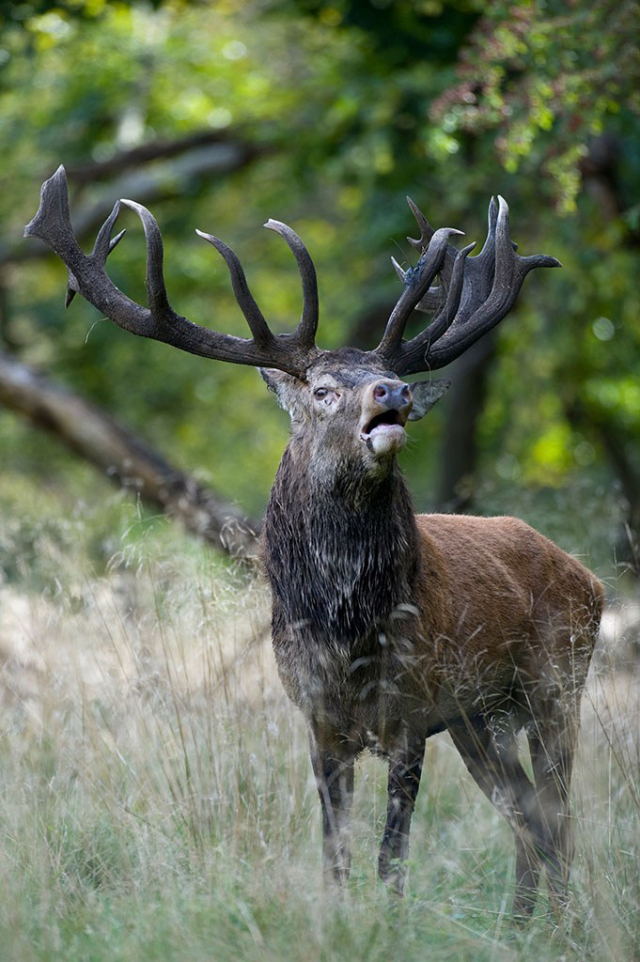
pixel 284 386
pixel 425 394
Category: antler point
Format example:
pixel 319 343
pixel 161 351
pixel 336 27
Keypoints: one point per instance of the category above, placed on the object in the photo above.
pixel 399 271
pixel 219 245
pixel 445 232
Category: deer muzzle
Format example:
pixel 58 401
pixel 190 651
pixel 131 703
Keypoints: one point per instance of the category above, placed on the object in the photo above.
pixel 385 410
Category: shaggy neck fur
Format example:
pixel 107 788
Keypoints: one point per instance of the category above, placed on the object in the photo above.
pixel 341 551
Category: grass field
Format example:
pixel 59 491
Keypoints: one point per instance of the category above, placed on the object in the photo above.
pixel 156 800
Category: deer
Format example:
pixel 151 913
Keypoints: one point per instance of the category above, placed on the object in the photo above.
pixel 389 627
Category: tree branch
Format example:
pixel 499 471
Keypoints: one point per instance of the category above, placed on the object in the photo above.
pixel 157 181
pixel 125 458
pixel 160 149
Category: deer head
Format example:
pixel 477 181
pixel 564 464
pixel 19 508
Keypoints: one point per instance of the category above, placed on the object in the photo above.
pixel 351 409
pixel 323 389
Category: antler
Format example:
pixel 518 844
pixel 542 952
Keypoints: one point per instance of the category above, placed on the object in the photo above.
pixel 474 296
pixel 291 353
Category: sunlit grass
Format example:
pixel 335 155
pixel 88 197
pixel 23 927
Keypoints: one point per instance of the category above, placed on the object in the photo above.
pixel 156 800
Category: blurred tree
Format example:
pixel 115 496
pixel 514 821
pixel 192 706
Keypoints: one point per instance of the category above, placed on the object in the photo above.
pixel 544 80
pixel 556 90
pixel 125 458
pixel 551 93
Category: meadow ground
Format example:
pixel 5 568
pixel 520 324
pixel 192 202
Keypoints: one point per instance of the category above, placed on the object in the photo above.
pixel 156 800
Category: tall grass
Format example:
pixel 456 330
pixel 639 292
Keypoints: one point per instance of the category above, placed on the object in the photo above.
pixel 156 800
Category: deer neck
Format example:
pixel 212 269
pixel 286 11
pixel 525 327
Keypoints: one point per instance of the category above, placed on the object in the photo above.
pixel 341 549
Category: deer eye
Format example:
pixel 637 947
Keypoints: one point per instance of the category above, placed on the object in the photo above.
pixel 320 393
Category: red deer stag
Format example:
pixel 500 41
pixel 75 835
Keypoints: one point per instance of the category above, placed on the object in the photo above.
pixel 390 627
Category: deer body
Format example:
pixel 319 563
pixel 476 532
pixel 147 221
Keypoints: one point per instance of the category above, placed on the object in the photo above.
pixel 447 642
pixel 388 627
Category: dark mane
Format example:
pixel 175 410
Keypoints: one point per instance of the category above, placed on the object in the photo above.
pixel 340 558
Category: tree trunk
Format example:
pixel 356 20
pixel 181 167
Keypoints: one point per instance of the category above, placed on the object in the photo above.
pixel 465 404
pixel 618 446
pixel 125 458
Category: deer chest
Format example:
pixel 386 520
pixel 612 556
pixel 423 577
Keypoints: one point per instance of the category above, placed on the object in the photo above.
pixel 365 690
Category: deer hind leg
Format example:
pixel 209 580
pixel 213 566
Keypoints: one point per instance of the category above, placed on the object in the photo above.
pixel 492 760
pixel 553 706
pixel 552 743
pixel 333 770
pixel 405 769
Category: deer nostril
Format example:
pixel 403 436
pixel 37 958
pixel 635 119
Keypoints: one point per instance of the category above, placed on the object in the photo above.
pixel 380 392
pixel 406 393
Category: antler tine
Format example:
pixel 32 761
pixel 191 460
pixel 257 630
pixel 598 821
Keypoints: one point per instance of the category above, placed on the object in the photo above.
pixel 432 300
pixel 244 297
pixel 482 266
pixel 479 270
pixel 426 230
pixel 156 289
pixel 510 261
pixel 489 247
pixel 434 297
pixel 399 270
pixel 88 276
pixel 308 325
pixel 103 246
pixel 443 321
pixel 416 284
pixel 490 287
pixel 105 243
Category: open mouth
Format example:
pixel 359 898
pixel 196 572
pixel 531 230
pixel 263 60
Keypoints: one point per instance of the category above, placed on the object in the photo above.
pixel 387 421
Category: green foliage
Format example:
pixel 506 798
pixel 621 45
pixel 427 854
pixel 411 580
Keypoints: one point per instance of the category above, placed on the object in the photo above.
pixel 545 78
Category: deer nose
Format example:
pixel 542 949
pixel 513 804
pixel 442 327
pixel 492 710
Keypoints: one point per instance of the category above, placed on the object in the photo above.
pixel 393 394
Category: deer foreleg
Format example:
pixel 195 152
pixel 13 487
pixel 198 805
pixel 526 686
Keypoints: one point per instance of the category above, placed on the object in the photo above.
pixel 405 769
pixel 334 778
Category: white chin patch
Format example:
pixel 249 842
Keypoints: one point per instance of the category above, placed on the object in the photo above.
pixel 386 438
